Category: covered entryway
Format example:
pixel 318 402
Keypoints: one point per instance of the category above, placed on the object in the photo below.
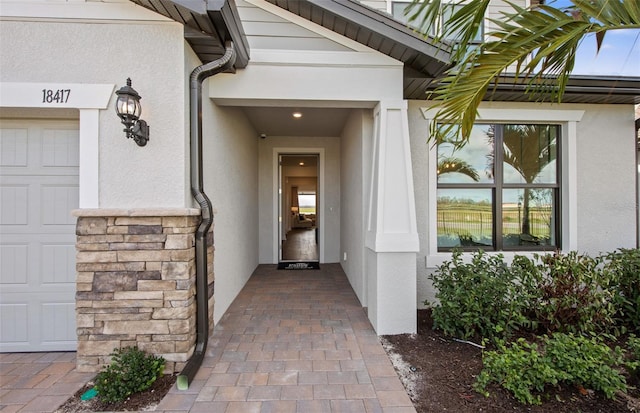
pixel 354 67
pixel 38 189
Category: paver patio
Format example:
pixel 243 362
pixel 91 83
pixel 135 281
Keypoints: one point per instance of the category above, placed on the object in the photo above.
pixel 292 341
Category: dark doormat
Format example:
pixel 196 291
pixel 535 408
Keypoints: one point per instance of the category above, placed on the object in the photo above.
pixel 299 265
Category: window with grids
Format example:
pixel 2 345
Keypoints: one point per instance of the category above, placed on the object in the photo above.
pixel 501 190
pixel 401 11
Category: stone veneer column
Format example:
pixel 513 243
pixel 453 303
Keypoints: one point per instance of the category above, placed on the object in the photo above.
pixel 136 284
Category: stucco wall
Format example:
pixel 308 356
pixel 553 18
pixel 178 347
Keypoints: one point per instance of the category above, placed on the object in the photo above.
pixel 330 238
pixel 231 181
pixel 606 177
pixel 604 180
pixel 88 52
pixel 356 131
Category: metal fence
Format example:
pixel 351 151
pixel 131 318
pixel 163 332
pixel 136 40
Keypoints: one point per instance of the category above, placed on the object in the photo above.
pixel 477 221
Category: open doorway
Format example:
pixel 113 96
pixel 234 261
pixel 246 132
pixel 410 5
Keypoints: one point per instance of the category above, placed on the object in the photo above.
pixel 299 203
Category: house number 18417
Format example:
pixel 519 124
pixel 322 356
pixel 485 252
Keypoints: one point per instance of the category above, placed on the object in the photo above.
pixel 55 96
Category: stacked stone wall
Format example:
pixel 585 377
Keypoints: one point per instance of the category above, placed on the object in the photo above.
pixel 136 284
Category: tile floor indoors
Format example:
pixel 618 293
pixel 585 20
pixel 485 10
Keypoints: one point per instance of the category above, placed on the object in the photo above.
pixel 292 341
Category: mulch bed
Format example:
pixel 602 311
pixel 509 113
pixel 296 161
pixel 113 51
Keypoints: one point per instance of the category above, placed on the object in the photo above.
pixel 142 401
pixel 440 374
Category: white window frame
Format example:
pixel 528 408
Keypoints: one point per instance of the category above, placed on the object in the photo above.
pixel 567 119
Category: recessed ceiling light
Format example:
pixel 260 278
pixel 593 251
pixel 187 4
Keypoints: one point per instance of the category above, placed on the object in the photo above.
pixel 297 115
pixel 301 164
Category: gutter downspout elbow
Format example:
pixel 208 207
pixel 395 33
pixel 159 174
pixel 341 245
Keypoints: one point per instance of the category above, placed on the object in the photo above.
pixel 197 77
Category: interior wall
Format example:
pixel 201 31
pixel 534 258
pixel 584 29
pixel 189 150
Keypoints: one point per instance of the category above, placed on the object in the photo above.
pixel 230 149
pixel 330 239
pixel 352 224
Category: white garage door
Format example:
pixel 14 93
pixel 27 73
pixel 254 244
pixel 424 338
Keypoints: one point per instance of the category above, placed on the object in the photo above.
pixel 38 189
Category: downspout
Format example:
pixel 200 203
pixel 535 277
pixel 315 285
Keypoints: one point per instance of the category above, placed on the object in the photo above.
pixel 198 75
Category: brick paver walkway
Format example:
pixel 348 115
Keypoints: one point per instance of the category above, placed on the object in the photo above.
pixel 38 382
pixel 292 341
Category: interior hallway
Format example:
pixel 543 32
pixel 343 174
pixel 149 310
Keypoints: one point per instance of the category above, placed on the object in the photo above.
pixel 301 245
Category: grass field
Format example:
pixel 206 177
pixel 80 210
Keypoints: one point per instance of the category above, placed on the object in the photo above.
pixel 477 221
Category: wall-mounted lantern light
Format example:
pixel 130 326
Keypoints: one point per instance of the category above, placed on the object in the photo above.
pixel 128 109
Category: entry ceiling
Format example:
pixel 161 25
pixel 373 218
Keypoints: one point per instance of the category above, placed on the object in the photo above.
pixel 315 122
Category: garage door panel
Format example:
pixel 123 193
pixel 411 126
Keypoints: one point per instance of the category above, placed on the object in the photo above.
pixel 58 263
pixel 57 201
pixel 57 322
pixel 38 190
pixel 60 147
pixel 38 207
pixel 13 325
pixel 14 204
pixel 13 263
pixel 13 147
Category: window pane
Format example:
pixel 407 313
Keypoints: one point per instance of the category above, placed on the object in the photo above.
pixel 528 217
pixel 471 163
pixel 401 12
pixel 465 218
pixel 530 153
pixel 307 203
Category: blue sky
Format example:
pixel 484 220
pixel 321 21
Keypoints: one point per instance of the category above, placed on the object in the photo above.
pixel 618 56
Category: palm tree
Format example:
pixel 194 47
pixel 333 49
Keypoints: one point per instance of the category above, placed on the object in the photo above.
pixel 456 165
pixel 537 44
pixel 527 158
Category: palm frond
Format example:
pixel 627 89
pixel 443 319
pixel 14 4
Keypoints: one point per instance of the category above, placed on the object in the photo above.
pixel 456 165
pixel 462 26
pixel 537 44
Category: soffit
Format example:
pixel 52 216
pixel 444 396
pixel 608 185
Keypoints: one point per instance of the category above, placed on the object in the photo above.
pixel 580 89
pixel 423 58
pixel 207 26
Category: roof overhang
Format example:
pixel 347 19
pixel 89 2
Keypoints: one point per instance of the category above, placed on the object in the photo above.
pixel 424 59
pixel 208 24
pixel 580 89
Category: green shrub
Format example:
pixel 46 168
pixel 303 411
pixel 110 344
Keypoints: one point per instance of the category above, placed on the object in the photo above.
pixel 526 370
pixel 549 293
pixel 574 294
pixel 481 297
pixel 633 364
pixel 131 371
pixel 624 268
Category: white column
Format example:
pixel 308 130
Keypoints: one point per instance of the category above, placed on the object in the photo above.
pixel 89 158
pixel 391 234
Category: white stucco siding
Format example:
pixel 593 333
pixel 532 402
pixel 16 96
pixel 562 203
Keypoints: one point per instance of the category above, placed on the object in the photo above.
pixel 329 187
pixel 230 174
pixel 353 197
pixel 81 52
pixel 419 132
pixel 319 76
pixel 606 175
pixel 598 173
